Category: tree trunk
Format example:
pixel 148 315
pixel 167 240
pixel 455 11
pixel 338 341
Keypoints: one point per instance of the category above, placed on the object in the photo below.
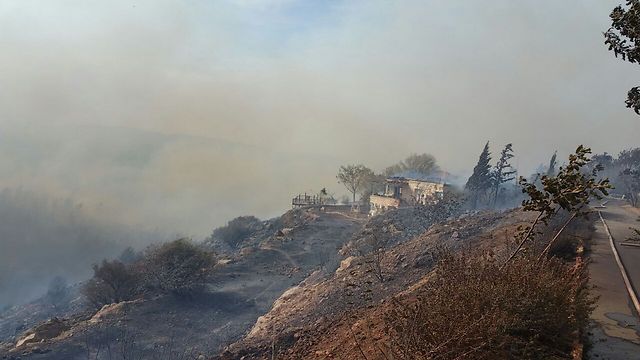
pixel 533 225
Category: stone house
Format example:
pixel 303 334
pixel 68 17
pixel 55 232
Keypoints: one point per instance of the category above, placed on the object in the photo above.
pixel 406 192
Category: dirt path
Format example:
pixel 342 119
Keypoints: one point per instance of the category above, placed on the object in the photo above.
pixel 616 332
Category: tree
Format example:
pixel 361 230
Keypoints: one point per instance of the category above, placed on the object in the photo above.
pixel 481 180
pixel 112 282
pixel 420 164
pixel 354 177
pixel 630 180
pixel 551 170
pixel 623 38
pixel 503 172
pixel 570 190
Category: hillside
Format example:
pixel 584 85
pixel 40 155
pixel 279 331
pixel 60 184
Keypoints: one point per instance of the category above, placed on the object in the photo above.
pixel 243 287
pixel 319 318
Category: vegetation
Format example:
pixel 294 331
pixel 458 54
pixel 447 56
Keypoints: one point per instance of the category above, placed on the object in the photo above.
pixel 553 162
pixel 354 178
pixel 178 267
pixel 503 172
pixel 471 308
pixel 236 231
pixel 419 164
pixel 623 38
pixel 481 180
pixel 112 282
pixel 570 190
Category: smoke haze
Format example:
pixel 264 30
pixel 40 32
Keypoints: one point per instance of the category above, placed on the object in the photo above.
pixel 176 116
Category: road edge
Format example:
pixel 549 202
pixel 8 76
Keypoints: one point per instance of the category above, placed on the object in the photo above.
pixel 623 270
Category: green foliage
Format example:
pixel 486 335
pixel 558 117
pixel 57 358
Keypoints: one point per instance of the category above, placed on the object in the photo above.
pixel 569 190
pixel 354 178
pixel 503 172
pixel 623 38
pixel 482 179
pixel 421 164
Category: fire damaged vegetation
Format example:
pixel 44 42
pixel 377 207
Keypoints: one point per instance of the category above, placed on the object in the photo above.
pixel 236 232
pixel 472 309
pixel 533 306
pixel 178 268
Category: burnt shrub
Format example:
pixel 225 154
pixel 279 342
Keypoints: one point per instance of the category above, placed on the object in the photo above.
pixel 236 231
pixel 112 282
pixel 179 267
pixel 471 308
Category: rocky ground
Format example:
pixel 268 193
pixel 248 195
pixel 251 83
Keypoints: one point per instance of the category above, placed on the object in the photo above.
pixel 299 287
pixel 331 318
pixel 280 255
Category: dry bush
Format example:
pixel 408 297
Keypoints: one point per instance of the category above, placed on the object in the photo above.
pixel 472 309
pixel 179 267
pixel 237 231
pixel 112 282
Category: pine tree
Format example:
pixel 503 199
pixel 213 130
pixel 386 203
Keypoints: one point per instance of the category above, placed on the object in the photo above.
pixel 503 172
pixel 482 179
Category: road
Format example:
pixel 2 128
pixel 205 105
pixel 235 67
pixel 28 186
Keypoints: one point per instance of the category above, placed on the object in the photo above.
pixel 616 334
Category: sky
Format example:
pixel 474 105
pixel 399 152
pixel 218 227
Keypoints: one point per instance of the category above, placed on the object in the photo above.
pixel 184 114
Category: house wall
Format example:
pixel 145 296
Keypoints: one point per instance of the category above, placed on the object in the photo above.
pixel 382 203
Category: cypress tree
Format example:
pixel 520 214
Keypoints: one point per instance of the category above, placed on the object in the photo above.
pixel 481 180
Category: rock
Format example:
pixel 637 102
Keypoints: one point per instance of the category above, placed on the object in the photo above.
pixel 345 264
pixel 49 330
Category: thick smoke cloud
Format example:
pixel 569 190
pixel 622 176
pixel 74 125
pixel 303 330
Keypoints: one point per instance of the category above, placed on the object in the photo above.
pixel 179 115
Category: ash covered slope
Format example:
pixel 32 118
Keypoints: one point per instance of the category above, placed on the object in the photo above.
pixel 318 318
pixel 278 255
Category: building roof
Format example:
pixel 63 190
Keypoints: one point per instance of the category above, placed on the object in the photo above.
pixel 416 176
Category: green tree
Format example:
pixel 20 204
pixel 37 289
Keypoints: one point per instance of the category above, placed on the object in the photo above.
pixel 623 38
pixel 354 178
pixel 423 164
pixel 570 190
pixel 482 179
pixel 503 172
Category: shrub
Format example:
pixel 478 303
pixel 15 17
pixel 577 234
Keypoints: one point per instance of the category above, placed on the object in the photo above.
pixel 112 282
pixel 237 230
pixel 178 267
pixel 472 309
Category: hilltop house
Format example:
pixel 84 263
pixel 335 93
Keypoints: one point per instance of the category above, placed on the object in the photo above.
pixel 405 191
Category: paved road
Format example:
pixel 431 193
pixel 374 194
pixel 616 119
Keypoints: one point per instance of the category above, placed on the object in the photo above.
pixel 617 331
